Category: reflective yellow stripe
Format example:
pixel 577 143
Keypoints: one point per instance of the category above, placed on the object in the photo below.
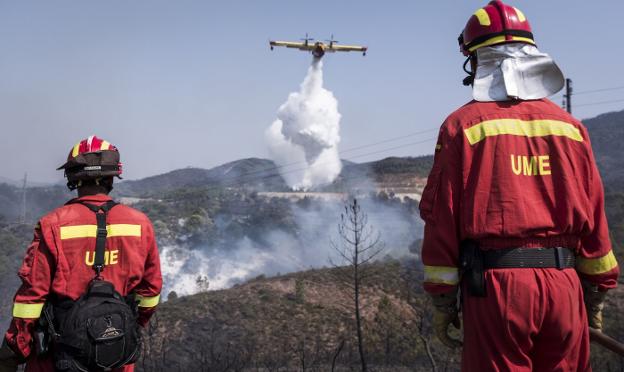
pixel 105 145
pixel 123 230
pixel 148 301
pixel 32 311
pixel 498 40
pixel 521 16
pixel 76 150
pixel 525 39
pixel 483 17
pixel 533 128
pixel 595 266
pixel 441 275
pixel 79 231
pixel 438 147
pixel 90 231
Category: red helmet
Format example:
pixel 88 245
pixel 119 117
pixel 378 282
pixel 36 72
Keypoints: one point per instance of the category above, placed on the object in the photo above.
pixel 496 23
pixel 90 159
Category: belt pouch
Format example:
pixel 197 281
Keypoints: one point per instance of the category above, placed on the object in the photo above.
pixel 472 268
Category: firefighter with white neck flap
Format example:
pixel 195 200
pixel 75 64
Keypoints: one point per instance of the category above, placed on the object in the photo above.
pixel 514 211
pixel 90 279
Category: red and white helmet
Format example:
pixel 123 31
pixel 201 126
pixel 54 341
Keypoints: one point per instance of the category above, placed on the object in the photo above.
pixel 496 23
pixel 90 159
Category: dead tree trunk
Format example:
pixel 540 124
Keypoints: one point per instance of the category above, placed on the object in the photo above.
pixel 359 245
pixel 358 319
pixel 336 354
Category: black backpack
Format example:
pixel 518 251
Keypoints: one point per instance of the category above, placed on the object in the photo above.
pixel 99 331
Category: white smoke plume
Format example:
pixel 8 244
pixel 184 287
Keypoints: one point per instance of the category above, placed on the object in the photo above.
pixel 306 134
pixel 281 252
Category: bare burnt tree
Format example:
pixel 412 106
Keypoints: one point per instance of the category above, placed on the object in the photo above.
pixel 309 355
pixel 274 358
pixel 219 351
pixel 337 354
pixel 358 246
pixel 409 288
pixel 150 345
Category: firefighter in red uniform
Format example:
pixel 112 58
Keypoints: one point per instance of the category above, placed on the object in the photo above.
pixel 514 211
pixel 58 263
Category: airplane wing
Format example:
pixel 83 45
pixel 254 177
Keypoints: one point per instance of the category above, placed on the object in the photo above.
pixel 289 44
pixel 348 48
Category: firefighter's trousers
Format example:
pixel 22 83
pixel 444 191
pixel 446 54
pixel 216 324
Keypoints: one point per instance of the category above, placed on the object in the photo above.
pixel 530 320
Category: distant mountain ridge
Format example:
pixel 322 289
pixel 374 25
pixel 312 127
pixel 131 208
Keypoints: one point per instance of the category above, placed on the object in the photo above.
pixel 607 135
pixel 29 183
pixel 606 132
pixel 240 173
pixel 264 175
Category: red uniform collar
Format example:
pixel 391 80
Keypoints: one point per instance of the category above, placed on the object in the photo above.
pixel 96 199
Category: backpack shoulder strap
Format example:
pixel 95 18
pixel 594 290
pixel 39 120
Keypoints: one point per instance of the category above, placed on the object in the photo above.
pixel 101 211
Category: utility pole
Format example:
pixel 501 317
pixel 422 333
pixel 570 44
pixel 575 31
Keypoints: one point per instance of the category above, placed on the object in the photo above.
pixel 23 216
pixel 568 96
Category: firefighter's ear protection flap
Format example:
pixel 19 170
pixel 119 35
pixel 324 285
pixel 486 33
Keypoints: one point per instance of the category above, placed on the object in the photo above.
pixel 468 80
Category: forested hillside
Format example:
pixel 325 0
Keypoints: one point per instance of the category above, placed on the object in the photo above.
pixel 607 133
pixel 298 322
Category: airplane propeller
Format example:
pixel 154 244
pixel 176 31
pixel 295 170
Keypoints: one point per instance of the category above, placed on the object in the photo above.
pixel 331 41
pixel 307 39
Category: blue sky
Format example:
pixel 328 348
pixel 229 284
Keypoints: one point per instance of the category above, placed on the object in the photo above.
pixel 193 83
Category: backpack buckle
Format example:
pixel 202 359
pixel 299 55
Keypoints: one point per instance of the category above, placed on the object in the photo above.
pixel 101 232
pixel 98 271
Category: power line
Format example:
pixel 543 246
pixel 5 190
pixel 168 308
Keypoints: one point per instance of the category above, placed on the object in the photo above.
pixel 600 103
pixel 599 90
pixel 373 144
pixel 567 96
pixel 240 181
pixel 389 140
pixel 394 148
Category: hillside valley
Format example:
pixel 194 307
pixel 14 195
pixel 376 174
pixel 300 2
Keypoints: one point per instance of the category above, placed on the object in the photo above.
pixel 213 232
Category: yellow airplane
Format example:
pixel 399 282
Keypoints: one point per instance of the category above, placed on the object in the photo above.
pixel 318 48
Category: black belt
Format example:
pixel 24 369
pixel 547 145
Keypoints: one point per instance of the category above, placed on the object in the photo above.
pixel 555 257
pixel 474 261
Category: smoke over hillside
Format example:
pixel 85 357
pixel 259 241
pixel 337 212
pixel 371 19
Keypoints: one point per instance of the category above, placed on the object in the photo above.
pixel 274 249
pixel 306 133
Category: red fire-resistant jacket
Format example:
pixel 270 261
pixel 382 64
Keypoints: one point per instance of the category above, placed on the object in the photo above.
pixel 59 261
pixel 514 174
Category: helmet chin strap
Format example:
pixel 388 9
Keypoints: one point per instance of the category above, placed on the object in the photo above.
pixel 468 80
pixel 73 185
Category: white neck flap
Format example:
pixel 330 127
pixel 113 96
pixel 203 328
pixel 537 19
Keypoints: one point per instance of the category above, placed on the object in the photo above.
pixel 515 71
